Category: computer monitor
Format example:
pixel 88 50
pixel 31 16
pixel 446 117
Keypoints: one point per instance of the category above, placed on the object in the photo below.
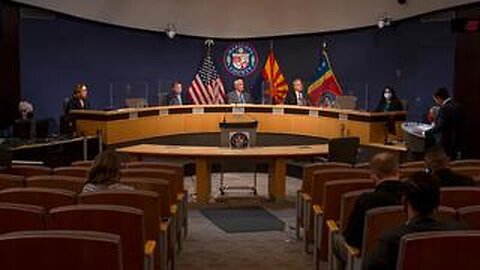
pixel 31 129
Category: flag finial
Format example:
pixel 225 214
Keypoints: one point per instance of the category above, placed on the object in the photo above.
pixel 209 43
pixel 324 45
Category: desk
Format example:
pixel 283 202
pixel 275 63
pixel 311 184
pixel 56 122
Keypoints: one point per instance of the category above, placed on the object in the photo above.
pixel 277 155
pixel 129 125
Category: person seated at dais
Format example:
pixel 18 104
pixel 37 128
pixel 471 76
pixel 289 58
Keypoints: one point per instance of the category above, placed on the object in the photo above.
pixel 239 95
pixel 389 102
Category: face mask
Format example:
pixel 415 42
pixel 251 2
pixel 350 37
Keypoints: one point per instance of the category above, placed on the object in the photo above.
pixel 387 95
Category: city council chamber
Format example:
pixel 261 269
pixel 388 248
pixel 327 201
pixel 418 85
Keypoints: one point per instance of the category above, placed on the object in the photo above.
pixel 163 135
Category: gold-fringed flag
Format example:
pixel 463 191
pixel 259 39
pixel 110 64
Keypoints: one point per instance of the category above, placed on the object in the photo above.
pixel 325 85
pixel 276 83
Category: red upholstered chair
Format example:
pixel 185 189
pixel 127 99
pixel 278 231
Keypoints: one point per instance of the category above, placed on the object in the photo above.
pixel 364 165
pixel 439 251
pixel 21 217
pixel 60 250
pixel 458 197
pixel 317 190
pixel 10 181
pixel 330 210
pixel 44 197
pixel 72 171
pixel 71 183
pixel 28 170
pixel 149 202
pixel 121 220
pixel 414 164
pixel 470 215
pixel 82 163
pixel 305 190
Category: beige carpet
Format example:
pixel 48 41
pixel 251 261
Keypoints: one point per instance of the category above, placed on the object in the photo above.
pixel 209 248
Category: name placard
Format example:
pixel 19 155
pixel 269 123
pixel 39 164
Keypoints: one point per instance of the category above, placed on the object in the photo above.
pixel 238 110
pixel 277 111
pixel 163 112
pixel 133 115
pixel 313 113
pixel 198 110
pixel 343 116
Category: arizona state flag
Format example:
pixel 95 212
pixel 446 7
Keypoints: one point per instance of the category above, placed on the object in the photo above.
pixel 277 86
pixel 326 83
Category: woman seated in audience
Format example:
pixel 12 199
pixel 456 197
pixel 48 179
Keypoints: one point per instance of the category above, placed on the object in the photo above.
pixel 105 173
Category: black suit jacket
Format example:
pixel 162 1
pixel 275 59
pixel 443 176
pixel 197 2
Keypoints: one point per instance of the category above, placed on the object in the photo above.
pixel 394 106
pixel 448 178
pixel 384 257
pixel 75 104
pixel 291 98
pixel 446 129
pixel 386 193
pixel 172 100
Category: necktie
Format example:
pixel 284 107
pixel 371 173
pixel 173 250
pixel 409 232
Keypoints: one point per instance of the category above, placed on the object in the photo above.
pixel 242 98
pixel 179 100
pixel 300 99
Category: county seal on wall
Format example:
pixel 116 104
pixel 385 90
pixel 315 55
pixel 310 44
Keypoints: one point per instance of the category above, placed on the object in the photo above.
pixel 241 59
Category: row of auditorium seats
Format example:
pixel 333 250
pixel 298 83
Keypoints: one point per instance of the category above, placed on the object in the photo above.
pixel 323 185
pixel 126 222
pixel 165 179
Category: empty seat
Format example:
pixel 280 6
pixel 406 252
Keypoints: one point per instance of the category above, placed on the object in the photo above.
pixel 414 164
pixel 465 163
pixel 147 201
pixel 72 171
pixel 60 250
pixel 44 197
pixel 330 209
pixel 472 171
pixel 158 186
pixel 470 215
pixel 458 197
pixel 439 251
pixel 28 170
pixel 82 163
pixel 10 181
pixel 121 220
pixel 71 183
pixel 21 217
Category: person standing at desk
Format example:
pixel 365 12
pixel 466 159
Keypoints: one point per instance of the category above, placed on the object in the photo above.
pixel 389 101
pixel 297 96
pixel 239 95
pixel 78 101
pixel 446 127
pixel 176 97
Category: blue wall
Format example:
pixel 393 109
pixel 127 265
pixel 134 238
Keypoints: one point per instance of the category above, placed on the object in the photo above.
pixel 412 56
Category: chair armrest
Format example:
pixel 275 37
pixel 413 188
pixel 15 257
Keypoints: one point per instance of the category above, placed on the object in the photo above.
pixel 317 210
pixel 173 210
pixel 150 247
pixel 332 226
pixel 306 197
pixel 149 260
pixel 352 251
pixel 180 196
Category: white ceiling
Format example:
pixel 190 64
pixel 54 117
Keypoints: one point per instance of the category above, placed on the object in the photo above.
pixel 243 18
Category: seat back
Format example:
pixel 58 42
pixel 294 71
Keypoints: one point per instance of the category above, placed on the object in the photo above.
pixel 60 250
pixel 161 187
pixel 71 183
pixel 127 222
pixel 470 215
pixel 72 171
pixel 11 181
pixel 21 217
pixel 465 163
pixel 343 149
pixel 446 213
pixel 82 163
pixel 458 197
pixel 45 197
pixel 175 180
pixel 414 164
pixel 472 171
pixel 29 170
pixel 439 251
pixel 147 201
pixel 363 165
pixel 378 220
pixel 347 205
pixel 321 177
pixel 407 172
pixel 309 169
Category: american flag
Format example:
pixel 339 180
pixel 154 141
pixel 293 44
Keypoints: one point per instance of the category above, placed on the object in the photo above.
pixel 207 87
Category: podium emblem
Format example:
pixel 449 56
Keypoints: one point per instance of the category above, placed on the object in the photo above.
pixel 239 140
pixel 241 59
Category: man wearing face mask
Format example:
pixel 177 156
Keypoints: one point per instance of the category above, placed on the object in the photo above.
pixel 446 127
pixel 389 101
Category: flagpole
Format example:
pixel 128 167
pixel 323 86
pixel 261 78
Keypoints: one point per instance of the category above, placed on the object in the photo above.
pixel 209 43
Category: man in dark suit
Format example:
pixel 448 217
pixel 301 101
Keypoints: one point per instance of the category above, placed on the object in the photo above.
pixel 297 96
pixel 446 128
pixel 388 191
pixel 438 163
pixel 421 199
pixel 176 96
pixel 239 95
pixel 78 101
